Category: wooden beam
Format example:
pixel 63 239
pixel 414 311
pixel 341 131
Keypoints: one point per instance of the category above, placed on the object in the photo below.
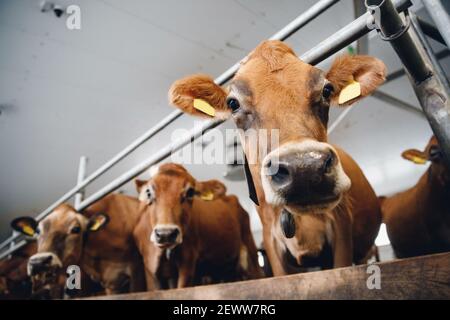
pixel 426 277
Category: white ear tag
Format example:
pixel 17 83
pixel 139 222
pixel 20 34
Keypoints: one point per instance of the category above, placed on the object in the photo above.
pixel 204 107
pixel 351 91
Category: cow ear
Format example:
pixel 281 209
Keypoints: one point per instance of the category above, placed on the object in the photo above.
pixel 139 184
pixel 200 96
pixel 210 189
pixel 97 222
pixel 416 156
pixel 25 225
pixel 354 77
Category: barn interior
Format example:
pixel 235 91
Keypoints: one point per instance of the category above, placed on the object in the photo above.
pixel 90 92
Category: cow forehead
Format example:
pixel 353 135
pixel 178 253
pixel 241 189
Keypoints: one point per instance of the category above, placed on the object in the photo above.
pixel 61 218
pixel 256 78
pixel 172 180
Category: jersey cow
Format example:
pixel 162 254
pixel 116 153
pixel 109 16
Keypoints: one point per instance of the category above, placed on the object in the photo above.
pixel 418 219
pixel 99 241
pixel 190 230
pixel 303 177
pixel 14 280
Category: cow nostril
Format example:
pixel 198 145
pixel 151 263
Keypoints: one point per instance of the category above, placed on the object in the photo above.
pixel 173 235
pixel 47 260
pixel 328 162
pixel 282 175
pixel 166 235
pixel 42 260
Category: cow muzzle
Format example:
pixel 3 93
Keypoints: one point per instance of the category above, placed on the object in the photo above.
pixel 305 176
pixel 166 236
pixel 43 262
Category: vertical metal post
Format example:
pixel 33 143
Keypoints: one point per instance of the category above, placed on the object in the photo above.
pixel 81 176
pixel 440 16
pixel 426 45
pixel 362 45
pixel 429 88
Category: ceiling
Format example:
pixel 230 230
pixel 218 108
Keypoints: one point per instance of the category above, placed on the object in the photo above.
pixel 91 92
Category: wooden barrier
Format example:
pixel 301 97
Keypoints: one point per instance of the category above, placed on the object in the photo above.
pixel 426 277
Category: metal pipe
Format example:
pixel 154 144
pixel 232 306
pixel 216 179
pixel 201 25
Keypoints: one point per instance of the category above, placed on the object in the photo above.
pixel 108 165
pixel 309 57
pixel 323 50
pixel 286 32
pixel 345 36
pixel 303 19
pixel 401 72
pixel 362 45
pixel 393 29
pixel 427 47
pixel 81 175
pixel 430 30
pixel 440 17
pixel 423 75
pixel 283 34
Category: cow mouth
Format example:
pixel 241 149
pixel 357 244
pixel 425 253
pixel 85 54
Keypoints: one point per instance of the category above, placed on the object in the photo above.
pixel 45 284
pixel 318 205
pixel 166 245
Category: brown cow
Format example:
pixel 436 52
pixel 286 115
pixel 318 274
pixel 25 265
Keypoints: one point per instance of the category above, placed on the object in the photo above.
pixel 99 241
pixel 191 230
pixel 14 280
pixel 273 89
pixel 418 219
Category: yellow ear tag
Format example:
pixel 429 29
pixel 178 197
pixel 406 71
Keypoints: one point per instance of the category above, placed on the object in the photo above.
pixel 351 91
pixel 97 224
pixel 204 107
pixel 28 230
pixel 416 160
pixel 207 195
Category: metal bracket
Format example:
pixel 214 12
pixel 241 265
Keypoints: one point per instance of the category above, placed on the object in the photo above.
pixel 400 32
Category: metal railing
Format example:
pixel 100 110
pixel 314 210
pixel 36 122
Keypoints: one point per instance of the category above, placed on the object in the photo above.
pixel 283 34
pixel 337 41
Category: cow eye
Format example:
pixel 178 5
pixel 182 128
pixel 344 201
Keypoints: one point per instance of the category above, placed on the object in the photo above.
pixel 190 193
pixel 150 196
pixel 233 104
pixel 327 91
pixel 75 230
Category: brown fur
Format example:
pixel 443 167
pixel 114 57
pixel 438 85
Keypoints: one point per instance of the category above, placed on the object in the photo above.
pixel 213 232
pixel 109 255
pixel 282 92
pixel 15 283
pixel 418 219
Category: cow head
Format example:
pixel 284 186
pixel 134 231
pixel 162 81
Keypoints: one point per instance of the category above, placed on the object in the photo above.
pixel 274 89
pixel 60 239
pixel 432 153
pixel 169 195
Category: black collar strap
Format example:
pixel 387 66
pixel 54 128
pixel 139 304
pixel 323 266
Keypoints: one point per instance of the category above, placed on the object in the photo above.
pixel 250 183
